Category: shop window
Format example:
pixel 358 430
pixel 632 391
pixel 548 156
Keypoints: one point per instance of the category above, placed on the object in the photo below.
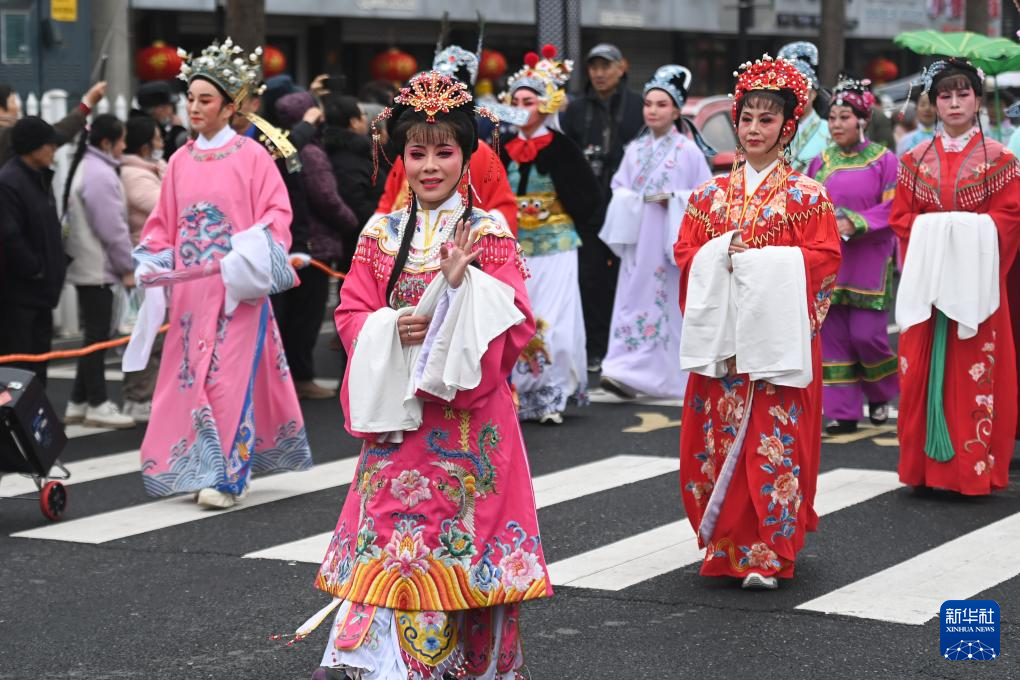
pixel 14 37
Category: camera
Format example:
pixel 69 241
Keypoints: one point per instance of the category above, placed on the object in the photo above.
pixel 596 157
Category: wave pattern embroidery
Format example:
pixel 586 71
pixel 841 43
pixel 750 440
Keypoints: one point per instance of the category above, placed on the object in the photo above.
pixel 192 468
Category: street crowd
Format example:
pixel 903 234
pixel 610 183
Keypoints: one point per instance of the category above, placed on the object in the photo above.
pixel 496 251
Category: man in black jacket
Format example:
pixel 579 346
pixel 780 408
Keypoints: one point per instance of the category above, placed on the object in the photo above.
pixel 601 123
pixel 32 260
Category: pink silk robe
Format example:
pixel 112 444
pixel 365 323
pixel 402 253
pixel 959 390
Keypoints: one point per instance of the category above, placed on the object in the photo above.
pixel 224 403
pixel 446 519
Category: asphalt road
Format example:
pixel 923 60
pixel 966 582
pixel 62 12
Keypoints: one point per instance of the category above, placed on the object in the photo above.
pixel 181 601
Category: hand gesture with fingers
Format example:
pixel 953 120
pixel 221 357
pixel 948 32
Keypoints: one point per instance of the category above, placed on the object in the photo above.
pixel 737 245
pixel 455 256
pixel 412 329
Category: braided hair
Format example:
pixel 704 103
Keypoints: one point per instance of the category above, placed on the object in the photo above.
pixel 410 125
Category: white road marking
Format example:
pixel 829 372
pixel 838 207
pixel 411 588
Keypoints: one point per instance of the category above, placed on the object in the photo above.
pixel 81 471
pixel 664 549
pixel 913 591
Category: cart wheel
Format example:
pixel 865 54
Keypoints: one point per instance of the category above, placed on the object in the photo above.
pixel 53 500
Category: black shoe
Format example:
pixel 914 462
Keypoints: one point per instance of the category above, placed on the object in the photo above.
pixel 616 387
pixel 841 427
pixel 594 364
pixel 878 412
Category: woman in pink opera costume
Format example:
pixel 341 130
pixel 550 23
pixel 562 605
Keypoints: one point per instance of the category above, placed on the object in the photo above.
pixel 437 542
pixel 224 403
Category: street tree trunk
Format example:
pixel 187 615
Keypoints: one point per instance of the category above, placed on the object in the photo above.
pixel 246 22
pixel 832 41
pixel 976 16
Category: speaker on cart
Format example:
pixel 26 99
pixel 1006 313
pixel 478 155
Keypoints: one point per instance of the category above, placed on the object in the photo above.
pixel 31 436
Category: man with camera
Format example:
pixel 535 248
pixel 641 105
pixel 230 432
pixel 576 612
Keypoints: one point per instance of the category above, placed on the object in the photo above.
pixel 601 122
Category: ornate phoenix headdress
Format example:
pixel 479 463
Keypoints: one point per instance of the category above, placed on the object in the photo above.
pixel 776 75
pixel 227 67
pixel 854 93
pixel 432 93
pixel 544 74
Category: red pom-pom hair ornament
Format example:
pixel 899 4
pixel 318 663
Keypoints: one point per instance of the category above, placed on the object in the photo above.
pixel 775 75
pixel 531 59
pixel 548 51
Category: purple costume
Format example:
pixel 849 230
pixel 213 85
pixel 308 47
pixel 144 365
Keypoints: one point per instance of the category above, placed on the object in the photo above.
pixel 857 362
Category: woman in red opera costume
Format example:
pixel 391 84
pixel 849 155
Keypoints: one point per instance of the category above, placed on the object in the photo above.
pixel 752 515
pixel 959 170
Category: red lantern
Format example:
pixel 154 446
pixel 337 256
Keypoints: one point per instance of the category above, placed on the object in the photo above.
pixel 492 65
pixel 393 65
pixel 273 62
pixel 882 70
pixel 157 62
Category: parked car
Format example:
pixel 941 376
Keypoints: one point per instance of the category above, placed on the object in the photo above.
pixel 711 115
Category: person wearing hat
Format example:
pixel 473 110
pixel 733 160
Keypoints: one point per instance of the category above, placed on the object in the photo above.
pixel 650 192
pixel 32 261
pixel 69 126
pixel 601 122
pixel 812 133
pixel 157 100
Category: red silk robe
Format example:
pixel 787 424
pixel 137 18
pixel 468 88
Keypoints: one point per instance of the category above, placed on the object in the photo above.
pixel 980 388
pixel 769 504
pixel 488 177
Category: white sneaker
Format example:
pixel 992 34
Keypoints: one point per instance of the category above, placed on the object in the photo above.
pixel 758 582
pixel 214 499
pixel 140 411
pixel 555 418
pixel 107 415
pixel 75 412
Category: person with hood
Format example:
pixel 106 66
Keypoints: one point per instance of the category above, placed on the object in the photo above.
pixel 812 133
pixel 32 261
pixel 299 311
pixel 601 123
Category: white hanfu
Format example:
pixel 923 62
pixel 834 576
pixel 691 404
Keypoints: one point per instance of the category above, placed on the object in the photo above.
pixel 644 339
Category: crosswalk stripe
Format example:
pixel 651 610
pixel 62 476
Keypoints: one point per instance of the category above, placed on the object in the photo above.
pixel 76 431
pixel 87 470
pixel 550 489
pixel 598 395
pixel 664 549
pixel 913 591
pixel 116 375
pixel 140 519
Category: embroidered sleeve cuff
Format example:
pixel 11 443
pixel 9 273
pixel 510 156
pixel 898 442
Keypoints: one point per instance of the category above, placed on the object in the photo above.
pixel 858 221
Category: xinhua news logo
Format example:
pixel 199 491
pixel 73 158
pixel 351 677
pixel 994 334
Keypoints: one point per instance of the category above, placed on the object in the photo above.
pixel 970 630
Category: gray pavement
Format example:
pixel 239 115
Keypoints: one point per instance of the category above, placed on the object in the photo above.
pixel 182 603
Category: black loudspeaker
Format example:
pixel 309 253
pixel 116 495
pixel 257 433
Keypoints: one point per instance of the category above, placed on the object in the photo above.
pixel 31 436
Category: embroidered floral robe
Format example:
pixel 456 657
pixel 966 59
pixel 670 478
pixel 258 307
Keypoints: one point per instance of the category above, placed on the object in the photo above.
pixel 979 395
pixel 445 520
pixel 224 402
pixel 769 503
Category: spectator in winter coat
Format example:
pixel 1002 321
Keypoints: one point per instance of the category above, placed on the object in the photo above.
pixel 32 260
pixel 141 172
pixel 68 127
pixel 345 138
pixel 299 311
pixel 99 245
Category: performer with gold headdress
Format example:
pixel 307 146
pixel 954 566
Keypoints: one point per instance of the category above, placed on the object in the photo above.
pixel 751 433
pixel 225 400
pixel 556 191
pixel 437 542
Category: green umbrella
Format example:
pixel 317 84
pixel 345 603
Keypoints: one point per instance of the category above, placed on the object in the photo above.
pixel 997 55
pixel 955 44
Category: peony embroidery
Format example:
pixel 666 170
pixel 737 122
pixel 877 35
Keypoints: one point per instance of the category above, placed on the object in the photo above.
pixel 977 370
pixel 410 487
pixel 519 570
pixel 979 467
pixel 772 448
pixel 406 552
pixel 761 556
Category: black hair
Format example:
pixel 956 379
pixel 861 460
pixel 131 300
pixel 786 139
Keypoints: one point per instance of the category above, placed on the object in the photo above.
pixel 223 93
pixel 413 125
pixel 105 126
pixel 340 109
pixel 379 92
pixel 5 92
pixel 140 131
pixel 781 101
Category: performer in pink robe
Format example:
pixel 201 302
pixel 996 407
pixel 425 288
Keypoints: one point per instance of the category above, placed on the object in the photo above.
pixel 224 398
pixel 438 539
